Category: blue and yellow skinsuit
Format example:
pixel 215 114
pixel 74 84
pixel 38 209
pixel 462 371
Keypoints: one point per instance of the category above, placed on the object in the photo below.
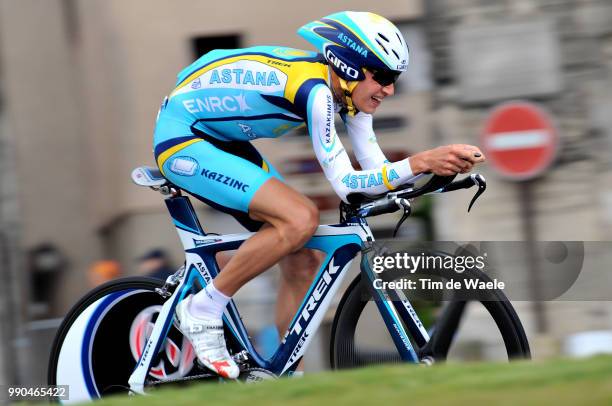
pixel 229 97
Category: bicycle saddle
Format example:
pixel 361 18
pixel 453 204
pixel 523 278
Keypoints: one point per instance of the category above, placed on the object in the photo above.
pixel 148 176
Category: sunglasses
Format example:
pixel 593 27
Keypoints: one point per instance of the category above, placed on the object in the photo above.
pixel 384 77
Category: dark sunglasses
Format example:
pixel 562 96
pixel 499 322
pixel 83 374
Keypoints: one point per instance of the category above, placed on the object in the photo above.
pixel 384 77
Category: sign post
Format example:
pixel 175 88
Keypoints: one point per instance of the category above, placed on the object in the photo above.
pixel 521 142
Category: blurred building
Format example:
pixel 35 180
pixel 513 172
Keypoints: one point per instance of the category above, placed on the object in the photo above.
pixel 82 81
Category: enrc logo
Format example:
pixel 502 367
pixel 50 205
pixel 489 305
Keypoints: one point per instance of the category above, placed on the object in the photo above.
pixel 213 104
pixel 344 68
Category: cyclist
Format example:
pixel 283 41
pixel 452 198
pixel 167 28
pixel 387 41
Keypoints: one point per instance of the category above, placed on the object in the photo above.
pixel 229 97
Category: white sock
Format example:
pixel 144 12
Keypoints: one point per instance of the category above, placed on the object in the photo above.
pixel 208 303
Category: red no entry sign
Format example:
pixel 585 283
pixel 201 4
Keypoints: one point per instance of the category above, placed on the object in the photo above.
pixel 520 140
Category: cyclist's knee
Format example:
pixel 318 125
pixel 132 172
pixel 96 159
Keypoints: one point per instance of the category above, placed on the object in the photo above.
pixel 309 219
pixel 300 224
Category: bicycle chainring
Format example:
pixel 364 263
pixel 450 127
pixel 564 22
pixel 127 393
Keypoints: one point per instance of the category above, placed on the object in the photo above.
pixel 254 375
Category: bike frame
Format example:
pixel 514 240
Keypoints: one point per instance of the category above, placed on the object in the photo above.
pixel 341 244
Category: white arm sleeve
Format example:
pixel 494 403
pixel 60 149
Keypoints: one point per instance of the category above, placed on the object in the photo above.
pixel 366 148
pixel 334 159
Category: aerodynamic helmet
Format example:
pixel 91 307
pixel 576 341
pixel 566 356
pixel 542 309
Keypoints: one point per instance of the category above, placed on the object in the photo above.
pixel 351 41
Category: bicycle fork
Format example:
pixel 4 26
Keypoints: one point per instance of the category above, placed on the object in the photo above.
pixel 393 312
pixel 158 335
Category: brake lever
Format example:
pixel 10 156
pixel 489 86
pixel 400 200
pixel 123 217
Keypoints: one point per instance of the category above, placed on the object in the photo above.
pixel 482 186
pixel 405 204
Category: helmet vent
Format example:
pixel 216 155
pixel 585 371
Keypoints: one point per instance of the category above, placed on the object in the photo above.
pixel 399 37
pixel 395 53
pixel 382 46
pixel 383 37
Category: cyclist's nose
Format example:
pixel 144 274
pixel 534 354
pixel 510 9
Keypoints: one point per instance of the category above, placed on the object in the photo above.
pixel 389 90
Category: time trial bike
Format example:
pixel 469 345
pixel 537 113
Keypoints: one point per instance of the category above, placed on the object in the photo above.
pixel 122 337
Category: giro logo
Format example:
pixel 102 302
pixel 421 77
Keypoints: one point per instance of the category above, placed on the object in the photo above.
pixel 344 68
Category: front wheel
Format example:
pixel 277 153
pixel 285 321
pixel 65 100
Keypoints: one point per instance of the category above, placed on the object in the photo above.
pixel 488 329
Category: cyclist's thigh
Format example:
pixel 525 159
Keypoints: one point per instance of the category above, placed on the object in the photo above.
pixel 222 179
pixel 276 202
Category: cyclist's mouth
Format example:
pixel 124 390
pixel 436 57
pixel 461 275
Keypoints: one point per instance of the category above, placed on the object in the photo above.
pixel 376 100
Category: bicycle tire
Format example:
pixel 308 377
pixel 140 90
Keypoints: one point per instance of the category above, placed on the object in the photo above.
pixel 344 352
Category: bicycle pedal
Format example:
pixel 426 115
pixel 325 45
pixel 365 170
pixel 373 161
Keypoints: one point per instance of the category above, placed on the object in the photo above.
pixel 241 358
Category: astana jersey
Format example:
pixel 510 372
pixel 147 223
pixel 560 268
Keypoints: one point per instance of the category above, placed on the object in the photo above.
pixel 229 97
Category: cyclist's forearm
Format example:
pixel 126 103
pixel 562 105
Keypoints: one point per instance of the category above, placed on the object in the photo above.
pixel 335 161
pixel 365 146
pixel 345 180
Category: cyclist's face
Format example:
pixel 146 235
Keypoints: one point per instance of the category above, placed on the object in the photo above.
pixel 368 94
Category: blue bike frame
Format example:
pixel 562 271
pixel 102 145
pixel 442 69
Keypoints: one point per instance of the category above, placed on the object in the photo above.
pixel 341 243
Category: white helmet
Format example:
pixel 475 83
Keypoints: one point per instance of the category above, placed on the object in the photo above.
pixel 351 41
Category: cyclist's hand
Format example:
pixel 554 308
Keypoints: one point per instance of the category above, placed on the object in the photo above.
pixel 447 160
